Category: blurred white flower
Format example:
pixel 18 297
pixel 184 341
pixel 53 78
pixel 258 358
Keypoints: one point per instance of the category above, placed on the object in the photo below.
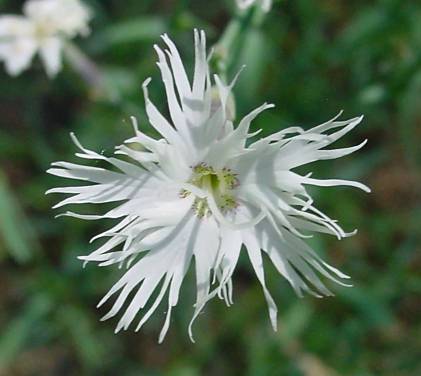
pixel 45 26
pixel 202 191
pixel 265 4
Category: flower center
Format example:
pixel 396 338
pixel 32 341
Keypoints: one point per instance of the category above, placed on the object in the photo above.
pixel 45 30
pixel 218 183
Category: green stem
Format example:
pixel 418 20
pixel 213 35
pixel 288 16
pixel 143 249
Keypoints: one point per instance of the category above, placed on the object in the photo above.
pixel 229 48
pixel 90 73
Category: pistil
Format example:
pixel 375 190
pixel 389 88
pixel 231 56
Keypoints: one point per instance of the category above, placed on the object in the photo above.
pixel 218 183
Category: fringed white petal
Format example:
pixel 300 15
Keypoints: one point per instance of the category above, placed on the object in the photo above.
pixel 255 255
pixel 158 121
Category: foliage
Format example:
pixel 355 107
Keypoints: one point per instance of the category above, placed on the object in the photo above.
pixel 311 59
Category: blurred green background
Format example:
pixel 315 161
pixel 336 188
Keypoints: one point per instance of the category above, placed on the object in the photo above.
pixel 310 58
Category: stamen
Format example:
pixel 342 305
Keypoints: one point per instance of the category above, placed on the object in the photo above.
pixel 219 184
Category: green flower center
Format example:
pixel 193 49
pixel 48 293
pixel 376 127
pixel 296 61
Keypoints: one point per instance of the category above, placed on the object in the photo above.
pixel 219 183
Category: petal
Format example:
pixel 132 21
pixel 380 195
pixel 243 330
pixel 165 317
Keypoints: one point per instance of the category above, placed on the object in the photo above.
pixel 176 112
pixel 201 68
pixel 225 263
pixel 167 261
pixel 15 26
pixel 18 45
pixel 18 56
pixel 266 5
pixel 255 255
pixel 182 81
pixel 208 239
pixel 70 17
pixel 50 51
pixel 291 255
pixel 336 182
pixel 158 121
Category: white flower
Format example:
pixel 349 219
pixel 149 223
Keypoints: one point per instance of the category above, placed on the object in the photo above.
pixel 45 26
pixel 265 4
pixel 203 191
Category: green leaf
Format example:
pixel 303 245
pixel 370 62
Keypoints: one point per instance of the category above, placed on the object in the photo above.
pixel 86 341
pixel 134 30
pixel 14 338
pixel 16 234
pixel 294 321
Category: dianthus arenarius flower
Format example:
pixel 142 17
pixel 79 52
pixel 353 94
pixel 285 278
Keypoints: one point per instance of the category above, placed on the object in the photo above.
pixel 202 192
pixel 265 4
pixel 44 28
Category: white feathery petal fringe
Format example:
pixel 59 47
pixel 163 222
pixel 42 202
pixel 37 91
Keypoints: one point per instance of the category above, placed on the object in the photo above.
pixel 203 191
